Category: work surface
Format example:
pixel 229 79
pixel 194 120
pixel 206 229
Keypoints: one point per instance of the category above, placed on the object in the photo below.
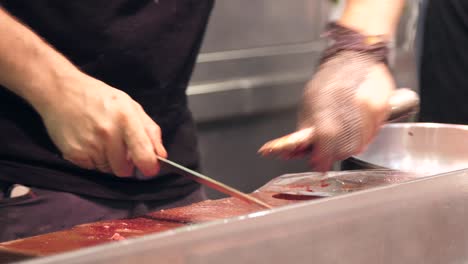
pixel 419 221
pixel 92 234
pixel 273 193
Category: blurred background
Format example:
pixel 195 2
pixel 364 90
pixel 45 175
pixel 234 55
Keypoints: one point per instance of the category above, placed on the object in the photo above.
pixel 251 73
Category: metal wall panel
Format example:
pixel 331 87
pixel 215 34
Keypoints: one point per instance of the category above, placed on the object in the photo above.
pixel 244 24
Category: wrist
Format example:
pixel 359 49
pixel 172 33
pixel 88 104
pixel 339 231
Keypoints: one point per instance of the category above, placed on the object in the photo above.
pixel 373 18
pixel 344 38
pixel 51 86
pixel 367 28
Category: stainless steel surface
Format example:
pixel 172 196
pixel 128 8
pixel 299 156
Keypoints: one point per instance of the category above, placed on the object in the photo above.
pixel 222 100
pixel 424 148
pixel 260 69
pixel 405 57
pixel 422 221
pixel 334 183
pixel 403 103
pixel 209 182
pixel 266 21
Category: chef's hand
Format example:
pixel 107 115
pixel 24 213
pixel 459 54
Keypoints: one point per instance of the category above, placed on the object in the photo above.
pixel 96 126
pixel 346 102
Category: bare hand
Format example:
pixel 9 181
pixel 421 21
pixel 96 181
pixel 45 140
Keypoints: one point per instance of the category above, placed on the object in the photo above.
pixel 96 126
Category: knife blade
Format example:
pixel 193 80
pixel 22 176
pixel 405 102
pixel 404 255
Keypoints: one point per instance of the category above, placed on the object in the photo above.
pixel 210 182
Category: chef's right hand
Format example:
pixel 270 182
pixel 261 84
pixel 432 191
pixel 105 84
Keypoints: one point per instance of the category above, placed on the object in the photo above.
pixel 96 126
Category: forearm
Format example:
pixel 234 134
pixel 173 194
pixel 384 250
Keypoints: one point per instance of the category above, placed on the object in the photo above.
pixel 30 67
pixel 373 17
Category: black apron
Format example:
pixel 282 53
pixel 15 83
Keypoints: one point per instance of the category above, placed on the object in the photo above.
pixel 444 62
pixel 145 48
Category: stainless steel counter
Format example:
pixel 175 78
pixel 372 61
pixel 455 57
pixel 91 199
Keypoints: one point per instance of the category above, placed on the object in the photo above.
pixel 422 221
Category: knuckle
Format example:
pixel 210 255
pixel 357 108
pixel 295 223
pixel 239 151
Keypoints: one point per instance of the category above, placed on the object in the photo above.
pixel 123 111
pixel 138 106
pixel 145 159
pixel 158 129
pixel 104 130
pixel 120 96
pixel 141 159
pixel 329 130
pixel 73 152
pixel 154 130
pixel 124 117
pixel 94 145
pixel 143 143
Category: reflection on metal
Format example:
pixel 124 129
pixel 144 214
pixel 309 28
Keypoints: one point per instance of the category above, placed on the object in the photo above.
pixel 259 94
pixel 404 59
pixel 248 83
pixel 260 52
pixel 248 39
pixel 245 24
pixel 424 148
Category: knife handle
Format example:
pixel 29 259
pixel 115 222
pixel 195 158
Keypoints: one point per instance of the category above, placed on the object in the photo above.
pixel 403 103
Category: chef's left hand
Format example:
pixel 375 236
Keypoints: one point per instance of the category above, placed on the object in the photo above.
pixel 346 102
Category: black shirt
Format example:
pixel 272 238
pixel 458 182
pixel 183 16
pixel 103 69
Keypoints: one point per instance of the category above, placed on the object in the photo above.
pixel 444 62
pixel 145 48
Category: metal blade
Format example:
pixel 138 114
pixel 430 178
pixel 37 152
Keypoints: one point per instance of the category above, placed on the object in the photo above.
pixel 207 181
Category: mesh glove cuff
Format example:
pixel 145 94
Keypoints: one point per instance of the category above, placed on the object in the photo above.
pixel 343 38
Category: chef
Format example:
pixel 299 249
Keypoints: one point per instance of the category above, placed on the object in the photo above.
pixel 94 90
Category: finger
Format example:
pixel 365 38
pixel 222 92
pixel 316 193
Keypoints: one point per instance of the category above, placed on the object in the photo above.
pixel 371 124
pixel 297 154
pixel 323 152
pixel 320 160
pixel 139 146
pixel 101 164
pixel 116 152
pixel 154 133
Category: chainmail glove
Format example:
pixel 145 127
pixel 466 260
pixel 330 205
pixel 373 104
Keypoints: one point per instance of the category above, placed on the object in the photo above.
pixel 347 99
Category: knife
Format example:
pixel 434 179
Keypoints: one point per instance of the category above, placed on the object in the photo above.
pixel 207 181
pixel 403 103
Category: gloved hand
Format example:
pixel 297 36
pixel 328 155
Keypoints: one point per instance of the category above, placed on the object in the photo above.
pixel 346 102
